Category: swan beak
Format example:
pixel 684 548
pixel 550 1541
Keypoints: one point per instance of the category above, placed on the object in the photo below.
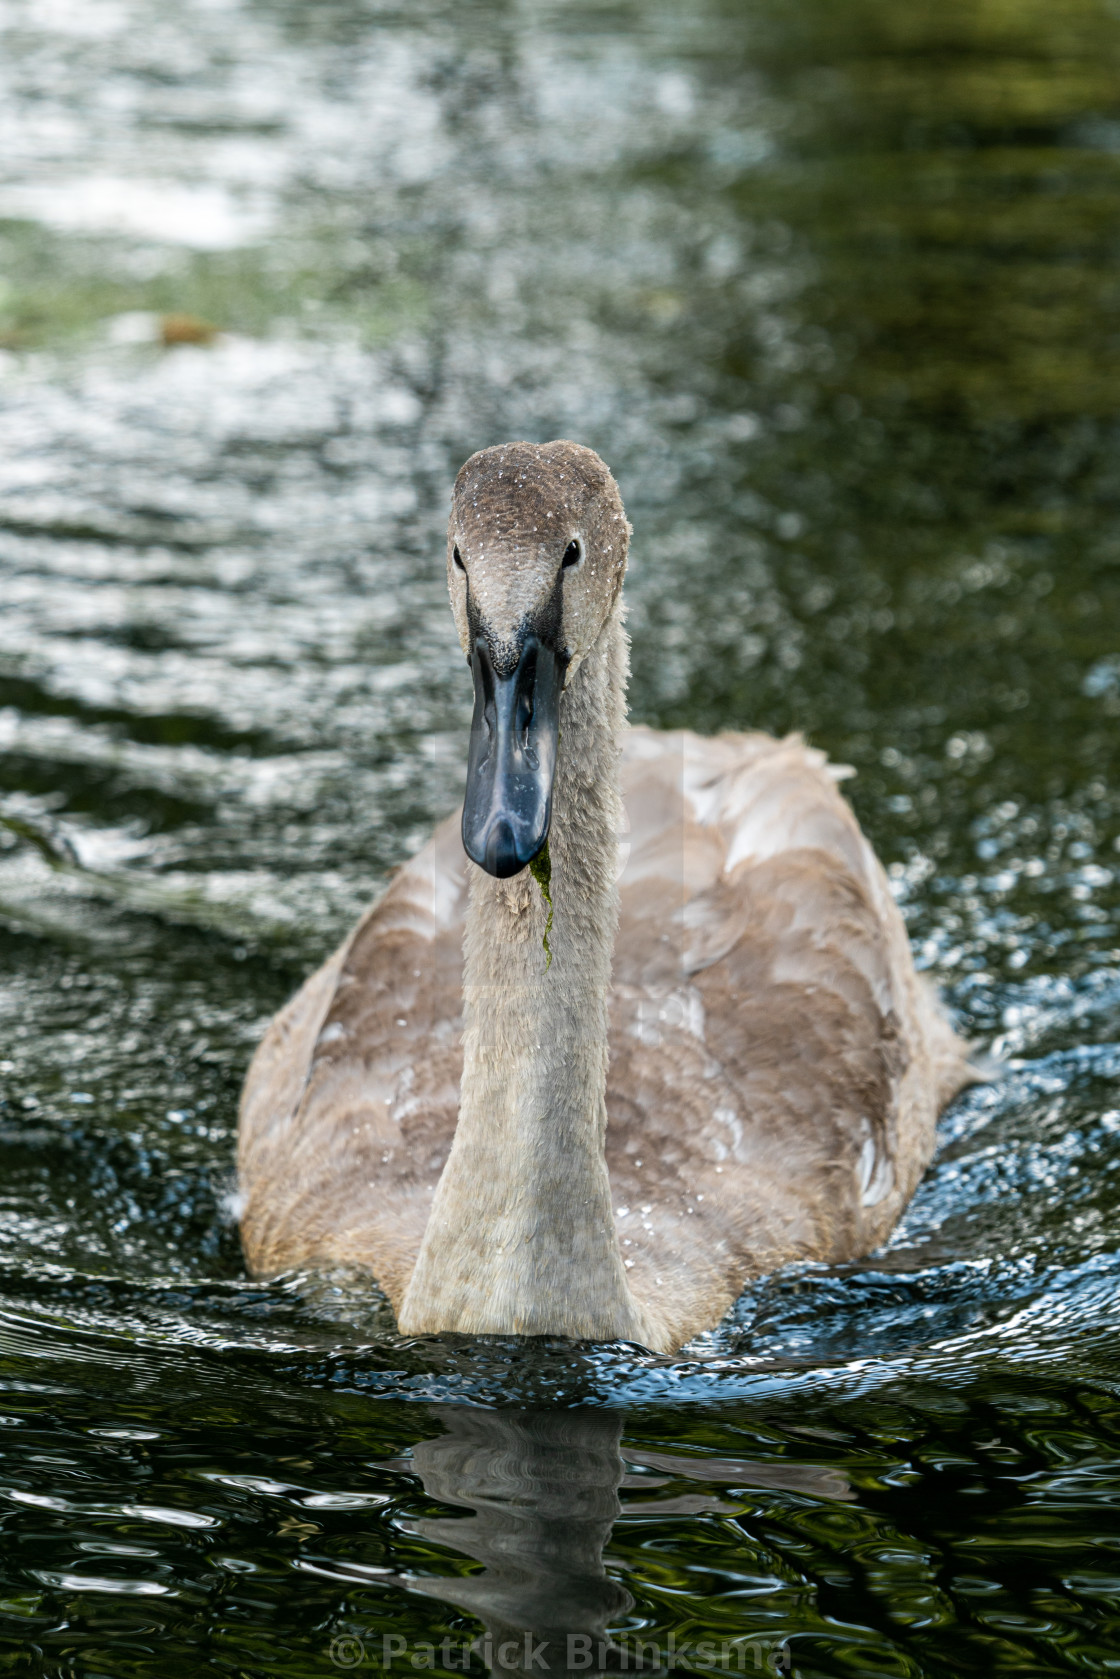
pixel 512 759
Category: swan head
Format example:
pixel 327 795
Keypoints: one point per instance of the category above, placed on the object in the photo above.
pixel 536 553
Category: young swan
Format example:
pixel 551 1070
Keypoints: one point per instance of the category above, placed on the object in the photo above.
pixel 512 1135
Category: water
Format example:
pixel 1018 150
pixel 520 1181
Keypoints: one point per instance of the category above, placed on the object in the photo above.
pixel 832 288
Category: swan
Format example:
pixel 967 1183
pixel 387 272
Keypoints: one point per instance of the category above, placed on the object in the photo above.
pixel 639 1023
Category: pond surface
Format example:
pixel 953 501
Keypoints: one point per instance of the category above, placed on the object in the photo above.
pixel 833 288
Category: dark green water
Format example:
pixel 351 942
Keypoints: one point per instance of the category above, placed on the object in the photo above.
pixel 835 290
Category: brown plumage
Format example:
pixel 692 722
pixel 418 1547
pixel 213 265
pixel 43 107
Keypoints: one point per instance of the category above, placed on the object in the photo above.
pixel 775 1065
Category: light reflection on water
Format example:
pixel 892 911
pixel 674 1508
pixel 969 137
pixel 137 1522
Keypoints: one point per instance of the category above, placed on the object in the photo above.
pixel 832 290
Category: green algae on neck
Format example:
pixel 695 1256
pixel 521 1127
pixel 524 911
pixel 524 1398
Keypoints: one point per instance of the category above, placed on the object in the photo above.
pixel 541 870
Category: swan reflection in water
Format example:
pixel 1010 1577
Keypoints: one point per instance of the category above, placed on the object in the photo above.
pixel 543 1487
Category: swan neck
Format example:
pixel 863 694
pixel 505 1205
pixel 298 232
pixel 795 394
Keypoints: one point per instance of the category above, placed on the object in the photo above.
pixel 521 1235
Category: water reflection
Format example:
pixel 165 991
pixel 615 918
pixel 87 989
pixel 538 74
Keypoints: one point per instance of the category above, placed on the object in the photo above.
pixel 543 1486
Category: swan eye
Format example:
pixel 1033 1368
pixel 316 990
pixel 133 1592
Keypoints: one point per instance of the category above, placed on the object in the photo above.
pixel 457 557
pixel 573 553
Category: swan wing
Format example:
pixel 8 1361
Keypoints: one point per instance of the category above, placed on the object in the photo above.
pixel 776 1066
pixel 350 1103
